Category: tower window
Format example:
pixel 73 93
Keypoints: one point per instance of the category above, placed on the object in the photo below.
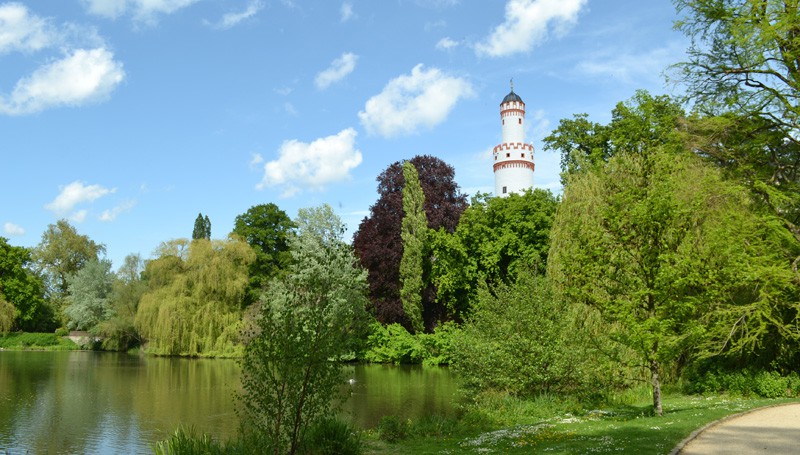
pixel 523 155
pixel 504 121
pixel 505 190
pixel 520 121
pixel 508 155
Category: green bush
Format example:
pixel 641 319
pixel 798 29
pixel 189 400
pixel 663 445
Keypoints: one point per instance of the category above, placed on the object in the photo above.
pixel 27 340
pixel 766 384
pixel 187 442
pixel 62 332
pixel 521 340
pixel 392 429
pixel 393 344
pixel 331 436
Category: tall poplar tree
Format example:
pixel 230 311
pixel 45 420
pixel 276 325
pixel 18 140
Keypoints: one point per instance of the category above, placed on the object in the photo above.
pixel 414 232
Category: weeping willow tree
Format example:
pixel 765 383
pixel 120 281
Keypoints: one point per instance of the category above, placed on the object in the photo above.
pixel 194 302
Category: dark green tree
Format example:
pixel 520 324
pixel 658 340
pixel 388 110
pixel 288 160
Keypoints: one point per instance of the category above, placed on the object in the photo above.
pixel 290 377
pixel 267 229
pixel 22 303
pixel 414 233
pixel 495 239
pixel 202 228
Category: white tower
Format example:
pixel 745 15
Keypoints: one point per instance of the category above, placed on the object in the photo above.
pixel 513 158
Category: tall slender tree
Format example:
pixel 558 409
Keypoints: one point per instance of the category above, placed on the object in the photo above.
pixel 414 233
pixel 379 245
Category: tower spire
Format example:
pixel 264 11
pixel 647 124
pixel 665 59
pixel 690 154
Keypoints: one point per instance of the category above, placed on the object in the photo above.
pixel 512 84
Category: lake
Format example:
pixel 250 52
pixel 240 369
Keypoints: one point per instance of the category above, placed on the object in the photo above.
pixel 98 402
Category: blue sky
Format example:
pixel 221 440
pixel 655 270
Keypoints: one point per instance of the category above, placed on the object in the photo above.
pixel 128 117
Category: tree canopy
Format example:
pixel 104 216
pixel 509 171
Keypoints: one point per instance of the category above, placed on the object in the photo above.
pixel 89 301
pixel 195 296
pixel 267 229
pixel 496 238
pixel 202 228
pixel 303 324
pixel 378 242
pixel 21 292
pixel 61 253
pixel 744 57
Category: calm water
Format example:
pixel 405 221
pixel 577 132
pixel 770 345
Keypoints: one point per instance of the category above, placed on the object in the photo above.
pixel 91 402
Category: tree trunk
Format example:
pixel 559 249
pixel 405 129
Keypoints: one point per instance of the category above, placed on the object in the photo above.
pixel 656 388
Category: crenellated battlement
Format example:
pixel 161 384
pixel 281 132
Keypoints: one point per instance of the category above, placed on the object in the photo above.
pixel 513 146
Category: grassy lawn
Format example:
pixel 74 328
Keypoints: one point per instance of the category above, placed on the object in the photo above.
pixel 619 429
pixel 35 342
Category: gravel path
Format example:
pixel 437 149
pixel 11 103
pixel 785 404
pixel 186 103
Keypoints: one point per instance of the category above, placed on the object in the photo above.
pixel 772 430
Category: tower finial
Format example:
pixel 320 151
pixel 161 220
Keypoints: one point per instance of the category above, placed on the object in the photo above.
pixel 512 84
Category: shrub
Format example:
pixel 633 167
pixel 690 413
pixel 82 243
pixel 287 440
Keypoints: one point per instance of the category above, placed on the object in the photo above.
pixel 766 384
pixel 331 436
pixel 393 344
pixel 392 429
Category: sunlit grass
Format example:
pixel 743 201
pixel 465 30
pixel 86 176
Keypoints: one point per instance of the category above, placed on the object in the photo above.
pixel 621 428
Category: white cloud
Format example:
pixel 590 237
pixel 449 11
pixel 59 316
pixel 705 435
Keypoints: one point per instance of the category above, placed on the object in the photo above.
pixel 13 229
pixel 446 44
pixel 423 98
pixel 338 70
pixel 528 23
pixel 312 166
pixel 84 76
pixel 76 193
pixel 231 19
pixel 111 9
pixel 113 213
pixel 23 32
pixel 79 216
pixel 346 12
pixel 629 67
pixel 146 11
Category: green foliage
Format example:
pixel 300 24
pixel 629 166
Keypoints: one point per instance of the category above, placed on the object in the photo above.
pixel 60 254
pixel 34 341
pixel 522 341
pixel 392 429
pixel 669 252
pixel 642 124
pixel 188 442
pixel 331 436
pixel 494 240
pixel 89 303
pixel 394 344
pixel 7 316
pixel 119 332
pixel 743 58
pixel 193 305
pixel 202 228
pixel 290 379
pixel 746 382
pixel 267 229
pixel 414 233
pixel 22 304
